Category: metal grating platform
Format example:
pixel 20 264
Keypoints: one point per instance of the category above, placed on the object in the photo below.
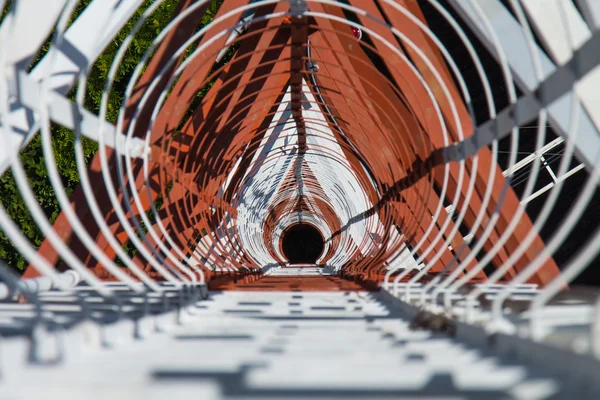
pixel 284 345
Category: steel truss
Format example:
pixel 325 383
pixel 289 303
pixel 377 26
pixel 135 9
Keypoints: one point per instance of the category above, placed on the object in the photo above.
pixel 402 145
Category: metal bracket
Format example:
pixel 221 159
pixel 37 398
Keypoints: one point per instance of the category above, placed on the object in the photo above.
pixel 298 8
pixel 312 66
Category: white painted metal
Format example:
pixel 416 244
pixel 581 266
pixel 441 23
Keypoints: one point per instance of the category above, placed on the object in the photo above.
pixel 84 41
pixel 63 112
pixel 367 338
pixel 591 12
pixel 70 278
pixel 563 31
pixel 254 345
pixel 515 46
pixel 31 22
pixel 559 25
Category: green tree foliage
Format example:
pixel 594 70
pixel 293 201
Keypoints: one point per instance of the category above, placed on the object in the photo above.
pixel 63 139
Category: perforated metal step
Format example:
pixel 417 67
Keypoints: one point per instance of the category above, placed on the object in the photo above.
pixel 285 345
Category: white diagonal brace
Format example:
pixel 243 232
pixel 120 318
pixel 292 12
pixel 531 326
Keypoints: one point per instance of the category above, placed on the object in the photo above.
pixel 31 23
pixel 64 112
pixel 85 40
pixel 514 44
pixel 559 25
pixel 591 12
pixel 562 30
pixel 82 43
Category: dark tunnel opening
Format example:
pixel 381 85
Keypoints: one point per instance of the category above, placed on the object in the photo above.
pixel 302 244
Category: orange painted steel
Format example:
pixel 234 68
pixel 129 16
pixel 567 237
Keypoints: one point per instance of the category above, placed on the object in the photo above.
pixel 295 284
pixel 375 108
